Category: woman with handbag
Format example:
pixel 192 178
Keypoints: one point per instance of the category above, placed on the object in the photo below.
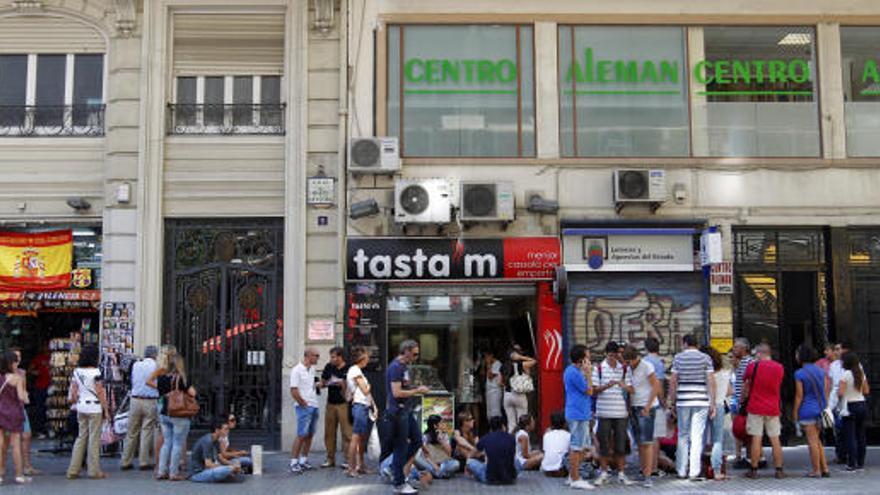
pixel 810 402
pixel 519 385
pixel 13 396
pixel 853 411
pixel 178 408
pixel 87 393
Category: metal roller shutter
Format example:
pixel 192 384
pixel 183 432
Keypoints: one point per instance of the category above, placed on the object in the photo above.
pixel 628 307
pixel 48 34
pixel 228 44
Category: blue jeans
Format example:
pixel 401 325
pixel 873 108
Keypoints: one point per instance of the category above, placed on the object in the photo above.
pixel 717 434
pixel 245 462
pixel 407 441
pixel 854 434
pixel 447 469
pixel 306 420
pixel 174 431
pixel 691 426
pixel 385 467
pixel 478 469
pixel 213 475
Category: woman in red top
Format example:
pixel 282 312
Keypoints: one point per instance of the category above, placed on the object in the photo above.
pixel 12 396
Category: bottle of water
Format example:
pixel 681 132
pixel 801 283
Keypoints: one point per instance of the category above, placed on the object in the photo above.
pixel 797 429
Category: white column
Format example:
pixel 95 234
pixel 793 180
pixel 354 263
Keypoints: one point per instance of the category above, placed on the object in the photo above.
pixel 696 49
pixel 296 64
pixel 833 123
pixel 150 230
pixel 546 90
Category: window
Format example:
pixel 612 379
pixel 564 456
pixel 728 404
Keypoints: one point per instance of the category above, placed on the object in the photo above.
pixel 227 104
pixel 860 48
pixel 623 91
pixel 757 93
pixel 51 94
pixel 461 90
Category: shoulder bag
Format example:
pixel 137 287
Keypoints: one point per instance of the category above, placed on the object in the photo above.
pixel 521 383
pixel 180 403
pixel 826 417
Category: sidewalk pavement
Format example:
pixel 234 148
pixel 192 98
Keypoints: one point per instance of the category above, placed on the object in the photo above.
pixel 276 480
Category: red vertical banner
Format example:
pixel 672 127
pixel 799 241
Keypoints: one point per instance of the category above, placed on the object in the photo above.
pixel 550 357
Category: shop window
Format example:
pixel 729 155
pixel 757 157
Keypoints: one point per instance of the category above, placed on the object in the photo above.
pixel 51 95
pixel 623 91
pixel 227 105
pixel 461 90
pixel 757 92
pixel 861 89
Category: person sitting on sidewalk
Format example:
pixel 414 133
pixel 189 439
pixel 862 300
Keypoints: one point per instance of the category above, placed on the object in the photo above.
pixel 435 455
pixel 500 448
pixel 527 459
pixel 228 455
pixel 206 466
pixel 557 441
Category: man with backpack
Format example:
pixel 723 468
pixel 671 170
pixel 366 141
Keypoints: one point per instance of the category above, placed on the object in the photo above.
pixel 611 383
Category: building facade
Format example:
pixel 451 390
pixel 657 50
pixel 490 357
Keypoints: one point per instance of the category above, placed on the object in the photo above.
pixel 556 168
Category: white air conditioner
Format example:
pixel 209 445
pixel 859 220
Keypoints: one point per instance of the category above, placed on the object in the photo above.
pixel 422 201
pixel 639 186
pixel 484 201
pixel 376 155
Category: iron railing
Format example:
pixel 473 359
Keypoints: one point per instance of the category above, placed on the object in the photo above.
pixel 63 120
pixel 225 119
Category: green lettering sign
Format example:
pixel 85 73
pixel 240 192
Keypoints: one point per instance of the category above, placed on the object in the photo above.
pixel 870 74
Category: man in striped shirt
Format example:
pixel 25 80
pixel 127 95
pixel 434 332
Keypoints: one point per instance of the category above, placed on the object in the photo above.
pixel 741 348
pixel 610 380
pixel 692 391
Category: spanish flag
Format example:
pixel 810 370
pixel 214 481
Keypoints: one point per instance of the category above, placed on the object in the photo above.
pixel 35 261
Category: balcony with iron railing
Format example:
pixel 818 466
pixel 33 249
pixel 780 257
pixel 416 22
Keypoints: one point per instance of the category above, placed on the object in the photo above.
pixel 61 120
pixel 225 119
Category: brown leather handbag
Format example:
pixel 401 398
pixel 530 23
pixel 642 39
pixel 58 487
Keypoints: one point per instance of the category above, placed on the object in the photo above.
pixel 180 403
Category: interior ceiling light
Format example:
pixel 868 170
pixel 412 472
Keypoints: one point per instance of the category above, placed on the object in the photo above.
pixel 795 39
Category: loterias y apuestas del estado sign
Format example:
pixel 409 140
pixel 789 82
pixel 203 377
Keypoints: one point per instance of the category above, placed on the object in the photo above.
pixel 487 76
pixel 421 258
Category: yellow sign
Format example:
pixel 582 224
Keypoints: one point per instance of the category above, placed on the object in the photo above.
pixel 722 345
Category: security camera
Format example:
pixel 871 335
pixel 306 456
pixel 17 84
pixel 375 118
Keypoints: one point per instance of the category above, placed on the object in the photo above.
pixel 537 204
pixel 79 204
pixel 361 209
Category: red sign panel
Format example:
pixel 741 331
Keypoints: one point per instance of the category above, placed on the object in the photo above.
pixel 531 257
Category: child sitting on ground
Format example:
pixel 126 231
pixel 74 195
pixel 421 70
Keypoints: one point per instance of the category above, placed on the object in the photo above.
pixel 556 444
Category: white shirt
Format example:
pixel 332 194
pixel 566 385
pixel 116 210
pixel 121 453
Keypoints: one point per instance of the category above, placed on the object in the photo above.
pixel 492 383
pixel 835 373
pixel 519 453
pixel 853 393
pixel 140 373
pixel 641 380
pixel 303 379
pixel 86 382
pixel 723 380
pixel 611 403
pixel 556 445
pixel 357 396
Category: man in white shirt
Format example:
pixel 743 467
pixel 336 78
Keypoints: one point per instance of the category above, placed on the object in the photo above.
pixel 610 380
pixel 643 408
pixel 305 395
pixel 143 416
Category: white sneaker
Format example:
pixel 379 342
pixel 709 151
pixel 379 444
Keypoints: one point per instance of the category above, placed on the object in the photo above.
pixel 622 479
pixel 602 479
pixel 582 485
pixel 405 488
pixel 567 481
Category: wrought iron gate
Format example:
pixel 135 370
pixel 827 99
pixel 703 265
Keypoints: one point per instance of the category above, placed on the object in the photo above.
pixel 223 311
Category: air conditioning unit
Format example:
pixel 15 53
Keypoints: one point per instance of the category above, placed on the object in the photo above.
pixel 483 201
pixel 422 201
pixel 639 186
pixel 376 155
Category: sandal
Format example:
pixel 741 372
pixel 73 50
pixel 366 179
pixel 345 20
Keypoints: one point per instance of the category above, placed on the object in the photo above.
pixel 161 477
pixel 812 475
pixel 30 471
pixel 353 474
pixel 99 476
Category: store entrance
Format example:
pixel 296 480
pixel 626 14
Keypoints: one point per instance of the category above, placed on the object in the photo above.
pixel 457 331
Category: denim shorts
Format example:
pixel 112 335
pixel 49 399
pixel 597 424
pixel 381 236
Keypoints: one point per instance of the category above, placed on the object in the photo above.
pixel 581 437
pixel 362 423
pixel 642 426
pixel 306 420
